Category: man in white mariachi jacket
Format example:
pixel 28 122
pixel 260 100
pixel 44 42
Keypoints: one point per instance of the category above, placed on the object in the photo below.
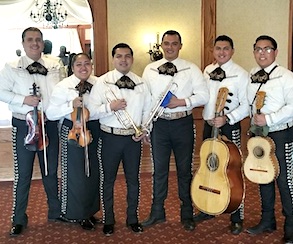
pixel 121 100
pixel 226 73
pixel 174 129
pixel 277 114
pixel 32 72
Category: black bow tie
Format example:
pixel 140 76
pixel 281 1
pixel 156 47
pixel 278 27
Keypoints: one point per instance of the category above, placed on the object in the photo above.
pixel 125 82
pixel 37 68
pixel 167 69
pixel 218 74
pixel 83 87
pixel 260 77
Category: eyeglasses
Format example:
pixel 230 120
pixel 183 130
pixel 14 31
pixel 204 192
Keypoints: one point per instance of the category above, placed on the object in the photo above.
pixel 264 49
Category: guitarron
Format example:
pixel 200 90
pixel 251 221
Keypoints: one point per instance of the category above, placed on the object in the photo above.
pixel 261 165
pixel 218 185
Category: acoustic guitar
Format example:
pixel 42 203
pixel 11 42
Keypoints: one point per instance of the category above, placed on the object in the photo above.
pixel 218 185
pixel 261 165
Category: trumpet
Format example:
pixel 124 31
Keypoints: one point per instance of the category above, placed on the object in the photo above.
pixel 123 116
pixel 160 107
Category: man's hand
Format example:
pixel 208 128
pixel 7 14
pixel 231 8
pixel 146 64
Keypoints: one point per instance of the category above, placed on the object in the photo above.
pixel 31 100
pixel 118 104
pixel 175 102
pixel 137 139
pixel 259 119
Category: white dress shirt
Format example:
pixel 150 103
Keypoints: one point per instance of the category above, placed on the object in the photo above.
pixel 138 100
pixel 190 84
pixel 278 104
pixel 16 83
pixel 61 100
pixel 236 81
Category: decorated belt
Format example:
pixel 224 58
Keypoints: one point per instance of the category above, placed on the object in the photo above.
pixel 117 131
pixel 175 115
pixel 19 116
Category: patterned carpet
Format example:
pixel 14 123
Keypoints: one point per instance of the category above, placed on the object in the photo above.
pixel 39 230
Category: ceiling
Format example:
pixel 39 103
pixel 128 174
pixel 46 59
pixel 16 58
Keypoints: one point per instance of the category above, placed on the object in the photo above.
pixel 16 13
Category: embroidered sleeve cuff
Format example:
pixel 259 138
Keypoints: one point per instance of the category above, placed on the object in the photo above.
pixel 188 102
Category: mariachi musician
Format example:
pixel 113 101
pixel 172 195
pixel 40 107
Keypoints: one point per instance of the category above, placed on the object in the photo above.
pixel 79 140
pixel 277 113
pixel 121 99
pixel 225 73
pixel 26 85
pixel 174 128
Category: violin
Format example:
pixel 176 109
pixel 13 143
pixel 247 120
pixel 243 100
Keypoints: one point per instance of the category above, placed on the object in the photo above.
pixel 36 139
pixel 79 135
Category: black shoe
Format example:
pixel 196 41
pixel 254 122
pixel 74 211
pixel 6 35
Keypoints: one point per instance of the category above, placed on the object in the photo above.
pixel 288 241
pixel 108 230
pixel 261 228
pixel 95 220
pixel 201 217
pixel 236 228
pixel 188 224
pixel 137 227
pixel 16 230
pixel 87 224
pixel 152 221
pixel 288 238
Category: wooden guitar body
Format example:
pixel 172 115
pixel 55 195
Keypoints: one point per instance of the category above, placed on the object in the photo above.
pixel 261 165
pixel 218 185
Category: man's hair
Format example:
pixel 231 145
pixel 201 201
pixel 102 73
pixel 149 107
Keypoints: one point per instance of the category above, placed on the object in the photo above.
pixel 225 38
pixel 268 38
pixel 31 29
pixel 121 45
pixel 172 32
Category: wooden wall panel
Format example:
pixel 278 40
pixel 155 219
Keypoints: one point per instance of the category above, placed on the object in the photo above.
pixel 100 28
pixel 208 31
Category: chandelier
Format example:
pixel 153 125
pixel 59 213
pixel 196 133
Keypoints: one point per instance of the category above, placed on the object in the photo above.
pixel 51 13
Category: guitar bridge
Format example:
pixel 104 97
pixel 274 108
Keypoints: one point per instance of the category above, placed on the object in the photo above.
pixel 208 189
pixel 259 170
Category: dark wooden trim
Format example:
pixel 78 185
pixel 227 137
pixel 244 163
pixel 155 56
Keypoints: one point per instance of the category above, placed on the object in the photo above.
pixel 208 31
pixel 100 42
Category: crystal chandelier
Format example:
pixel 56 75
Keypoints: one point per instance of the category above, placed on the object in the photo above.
pixel 51 13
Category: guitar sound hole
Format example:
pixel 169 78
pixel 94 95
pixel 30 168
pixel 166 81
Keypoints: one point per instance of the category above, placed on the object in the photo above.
pixel 258 152
pixel 212 162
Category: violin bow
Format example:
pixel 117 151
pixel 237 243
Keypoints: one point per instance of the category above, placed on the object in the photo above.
pixel 87 163
pixel 44 137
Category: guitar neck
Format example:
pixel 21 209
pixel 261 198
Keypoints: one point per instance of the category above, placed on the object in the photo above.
pixel 215 130
pixel 258 129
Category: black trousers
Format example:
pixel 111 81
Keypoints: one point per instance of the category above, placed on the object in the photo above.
pixel 232 132
pixel 116 148
pixel 284 152
pixel 23 169
pixel 177 136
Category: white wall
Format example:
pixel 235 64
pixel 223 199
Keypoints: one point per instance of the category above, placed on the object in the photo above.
pixel 131 21
pixel 245 20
